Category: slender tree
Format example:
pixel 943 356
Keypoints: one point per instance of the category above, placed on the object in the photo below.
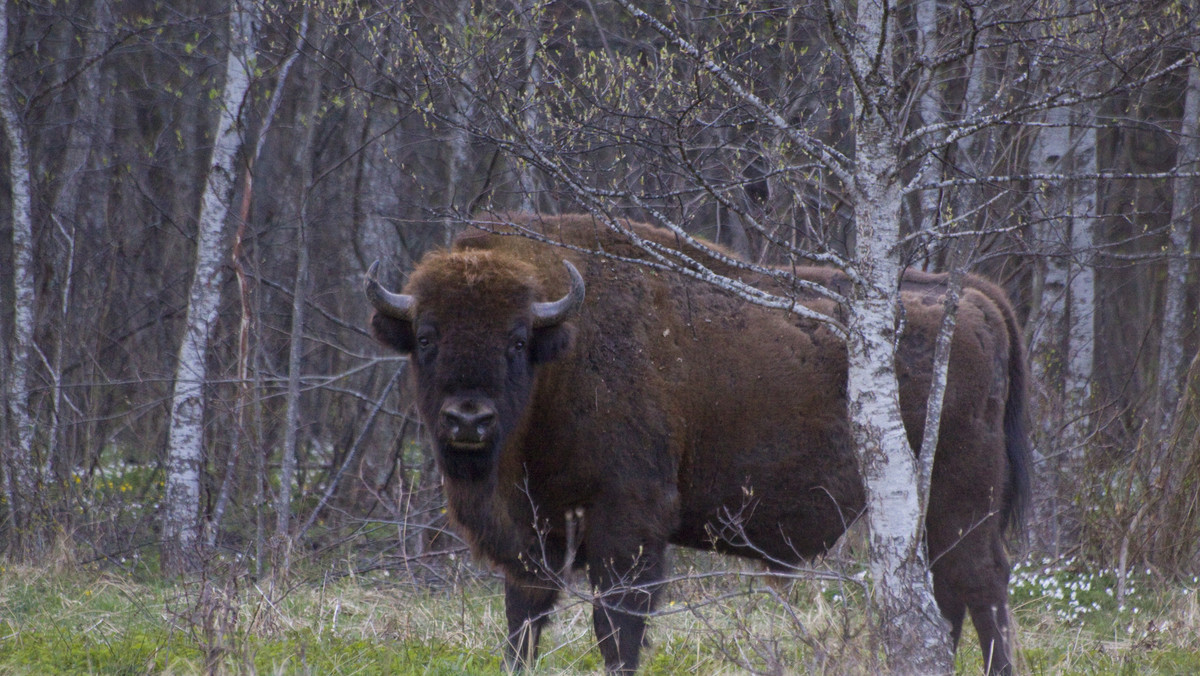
pixel 1187 162
pixel 915 636
pixel 529 20
pixel 185 443
pixel 1063 158
pixel 287 468
pixel 245 387
pixel 931 107
pixel 21 475
pixel 1081 313
pixel 81 140
pixel 1049 344
pixel 458 157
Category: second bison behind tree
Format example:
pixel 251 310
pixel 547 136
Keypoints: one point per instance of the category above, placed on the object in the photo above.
pixel 666 410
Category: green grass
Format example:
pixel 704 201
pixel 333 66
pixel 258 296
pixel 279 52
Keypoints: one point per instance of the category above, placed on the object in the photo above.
pixel 79 621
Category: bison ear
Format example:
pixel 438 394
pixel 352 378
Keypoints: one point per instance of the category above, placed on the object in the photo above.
pixel 549 343
pixel 395 333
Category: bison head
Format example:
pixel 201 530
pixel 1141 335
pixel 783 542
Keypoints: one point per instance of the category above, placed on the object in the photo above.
pixel 475 331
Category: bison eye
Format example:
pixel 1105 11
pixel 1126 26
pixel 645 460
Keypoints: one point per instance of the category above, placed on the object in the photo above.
pixel 516 345
pixel 426 338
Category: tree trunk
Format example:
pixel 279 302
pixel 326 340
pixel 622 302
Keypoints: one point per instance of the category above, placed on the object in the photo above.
pixel 1064 337
pixel 1049 340
pixel 287 463
pixel 915 638
pixel 911 629
pixel 1081 315
pixel 185 442
pixel 1047 157
pixel 1170 354
pixel 931 104
pixel 81 139
pixel 975 154
pixel 531 185
pixel 21 480
pixel 461 114
pixel 246 328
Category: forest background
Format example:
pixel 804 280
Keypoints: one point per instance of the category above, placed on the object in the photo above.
pixel 192 192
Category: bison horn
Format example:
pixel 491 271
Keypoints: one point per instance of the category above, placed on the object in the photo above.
pixel 555 312
pixel 394 305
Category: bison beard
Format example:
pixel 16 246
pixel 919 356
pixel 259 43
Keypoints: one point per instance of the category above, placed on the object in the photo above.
pixel 666 411
pixel 466 465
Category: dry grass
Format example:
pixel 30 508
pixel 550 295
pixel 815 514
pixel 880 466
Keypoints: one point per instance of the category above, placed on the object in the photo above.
pixel 80 621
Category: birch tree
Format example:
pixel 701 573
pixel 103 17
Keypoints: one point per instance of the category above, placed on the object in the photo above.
pixel 287 463
pixel 85 132
pixel 915 637
pixel 529 19
pixel 931 105
pixel 1049 343
pixel 1063 157
pixel 185 442
pixel 458 154
pixel 1050 151
pixel 1081 314
pixel 21 476
pixel 1187 157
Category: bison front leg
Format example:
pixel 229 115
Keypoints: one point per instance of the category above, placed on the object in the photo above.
pixel 626 587
pixel 527 606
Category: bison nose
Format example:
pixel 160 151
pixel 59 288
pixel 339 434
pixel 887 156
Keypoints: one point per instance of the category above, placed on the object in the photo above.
pixel 468 421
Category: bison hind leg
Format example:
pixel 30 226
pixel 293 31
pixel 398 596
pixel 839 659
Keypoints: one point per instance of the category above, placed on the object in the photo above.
pixel 991 623
pixel 973 576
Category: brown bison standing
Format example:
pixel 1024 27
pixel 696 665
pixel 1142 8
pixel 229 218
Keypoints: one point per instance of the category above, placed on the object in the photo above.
pixel 666 410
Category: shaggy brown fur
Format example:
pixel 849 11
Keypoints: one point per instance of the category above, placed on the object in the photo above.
pixel 669 411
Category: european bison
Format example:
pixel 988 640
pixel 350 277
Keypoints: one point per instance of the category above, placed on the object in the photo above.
pixel 665 410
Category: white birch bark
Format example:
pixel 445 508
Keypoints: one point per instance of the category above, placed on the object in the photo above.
pixel 915 638
pixel 531 187
pixel 914 635
pixel 185 448
pixel 1064 336
pixel 1063 340
pixel 463 109
pixel 1047 156
pixel 1170 354
pixel 1081 313
pixel 975 153
pixel 930 104
pixel 20 470
pixel 246 328
pixel 81 138
pixel 973 156
pixel 1048 342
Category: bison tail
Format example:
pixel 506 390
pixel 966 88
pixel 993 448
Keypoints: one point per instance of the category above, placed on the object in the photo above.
pixel 1016 432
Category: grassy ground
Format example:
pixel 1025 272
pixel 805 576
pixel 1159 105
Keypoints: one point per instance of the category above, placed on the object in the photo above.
pixel 72 620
